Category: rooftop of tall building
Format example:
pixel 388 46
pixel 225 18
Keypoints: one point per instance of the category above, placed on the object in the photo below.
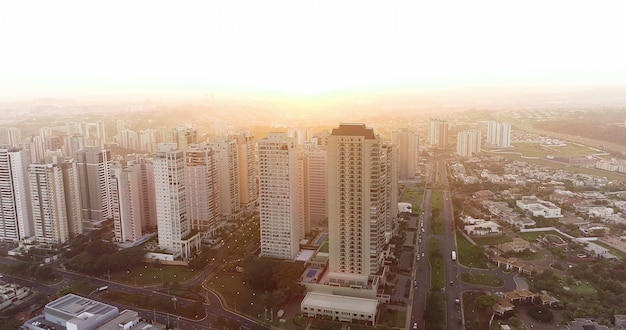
pixel 354 130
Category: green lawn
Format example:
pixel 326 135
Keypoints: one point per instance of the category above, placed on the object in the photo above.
pixel 585 289
pixel 437 276
pixel 414 195
pixel 151 274
pixel 435 311
pixel 532 236
pixel 571 149
pixel 238 295
pixel 436 222
pixel 621 255
pixel 470 255
pixel 482 279
pixel 492 240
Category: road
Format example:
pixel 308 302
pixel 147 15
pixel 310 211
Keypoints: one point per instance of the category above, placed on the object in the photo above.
pixel 448 244
pixel 213 306
pixel 422 267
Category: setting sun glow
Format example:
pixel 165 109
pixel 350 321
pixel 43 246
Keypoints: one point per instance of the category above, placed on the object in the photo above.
pixel 64 48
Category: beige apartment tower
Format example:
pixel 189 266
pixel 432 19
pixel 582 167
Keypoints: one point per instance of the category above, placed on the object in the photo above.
pixel 48 203
pixel 201 182
pixel 361 184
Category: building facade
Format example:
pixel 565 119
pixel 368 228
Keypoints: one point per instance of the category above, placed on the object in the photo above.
pixel 201 182
pixel 360 184
pixel 16 221
pixel 48 203
pixel 468 143
pixel 278 197
pixel 93 166
pixel 408 151
pixel 173 225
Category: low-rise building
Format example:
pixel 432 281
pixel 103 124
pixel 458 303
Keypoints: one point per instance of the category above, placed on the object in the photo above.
pixel 339 308
pixel 585 324
pixel 538 207
pixel 517 245
pixel 482 228
pixel 73 312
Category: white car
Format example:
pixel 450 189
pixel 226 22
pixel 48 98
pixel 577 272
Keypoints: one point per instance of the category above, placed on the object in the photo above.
pixel 414 325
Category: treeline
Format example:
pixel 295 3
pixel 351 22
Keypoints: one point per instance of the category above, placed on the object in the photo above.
pixel 99 257
pixel 605 276
pixel 278 279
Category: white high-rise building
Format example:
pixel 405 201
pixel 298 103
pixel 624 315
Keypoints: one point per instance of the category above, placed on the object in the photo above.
pixel 173 224
pixel 48 203
pixel 15 136
pixel 73 144
pixel 16 221
pixel 438 132
pixel 301 134
pixel 128 139
pixel 225 151
pixel 93 168
pixel 247 166
pixel 278 197
pixel 468 143
pixel 36 148
pixel 408 151
pixel 361 187
pixel 147 141
pixel 499 134
pixel 201 182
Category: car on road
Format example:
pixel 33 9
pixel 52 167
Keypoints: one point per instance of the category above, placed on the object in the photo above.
pixel 422 254
pixel 457 301
pixel 451 283
pixel 414 325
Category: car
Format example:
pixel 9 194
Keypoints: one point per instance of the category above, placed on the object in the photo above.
pixel 414 325
pixel 457 301
pixel 451 283
pixel 422 254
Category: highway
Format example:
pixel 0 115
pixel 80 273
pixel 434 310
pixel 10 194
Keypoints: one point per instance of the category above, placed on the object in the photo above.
pixel 453 286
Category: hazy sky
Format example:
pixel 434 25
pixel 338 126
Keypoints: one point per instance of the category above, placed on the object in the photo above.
pixel 77 48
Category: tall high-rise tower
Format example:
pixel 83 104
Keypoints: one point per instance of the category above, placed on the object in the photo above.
pixel 201 182
pixel 247 166
pixel 278 197
pixel 14 136
pixel 438 133
pixel 468 143
pixel 361 174
pixel 408 150
pixel 16 221
pixel 499 134
pixel 225 151
pixel 126 202
pixel 71 186
pixel 315 184
pixel 48 203
pixel 173 225
pixel 93 168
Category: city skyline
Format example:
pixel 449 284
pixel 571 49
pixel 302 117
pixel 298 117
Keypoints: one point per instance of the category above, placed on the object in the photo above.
pixel 71 49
